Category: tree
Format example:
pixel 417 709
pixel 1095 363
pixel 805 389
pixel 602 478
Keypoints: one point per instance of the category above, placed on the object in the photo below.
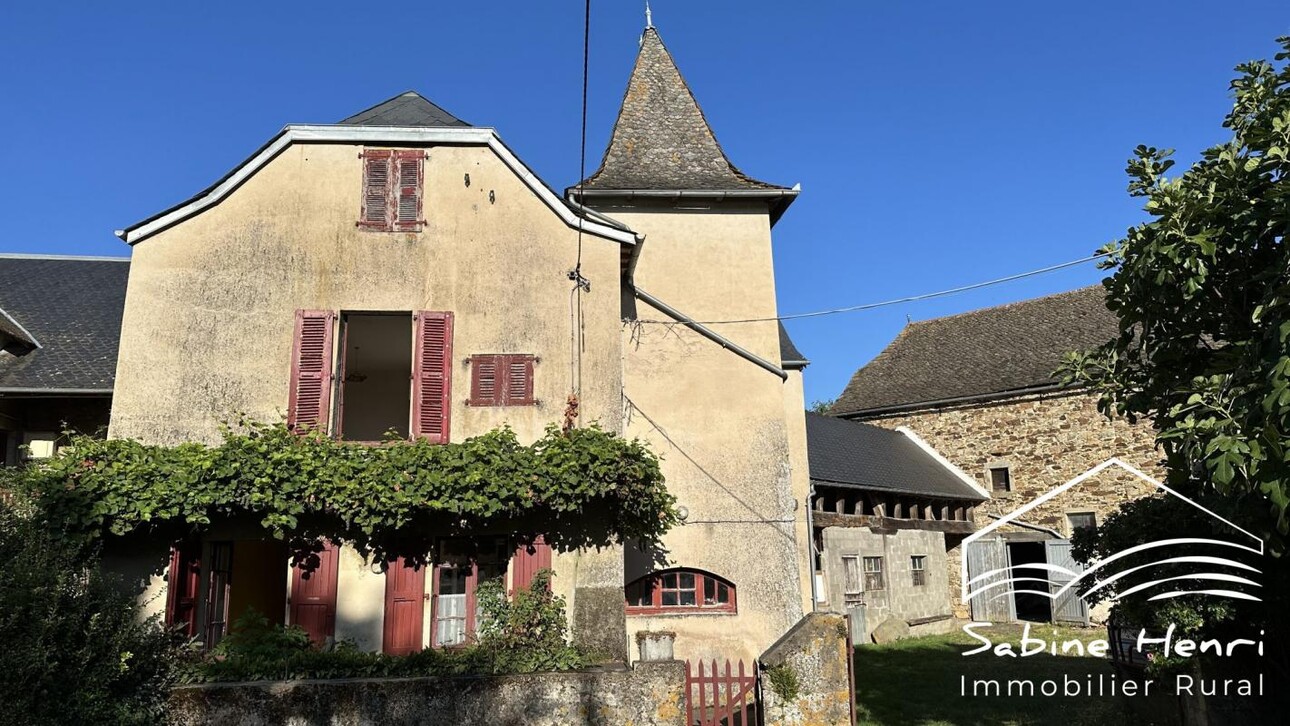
pixel 821 405
pixel 1203 297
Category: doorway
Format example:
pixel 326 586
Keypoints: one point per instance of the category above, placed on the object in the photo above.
pixel 1030 606
pixel 375 376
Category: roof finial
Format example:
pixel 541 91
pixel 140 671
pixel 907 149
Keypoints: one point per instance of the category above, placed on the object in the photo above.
pixel 649 17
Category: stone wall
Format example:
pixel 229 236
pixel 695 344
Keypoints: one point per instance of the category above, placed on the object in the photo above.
pixel 812 664
pixel 650 694
pixel 900 597
pixel 1045 441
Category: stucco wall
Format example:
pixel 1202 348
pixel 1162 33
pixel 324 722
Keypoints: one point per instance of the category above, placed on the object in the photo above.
pixel 652 694
pixel 1045 440
pixel 899 598
pixel 209 315
pixel 818 653
pixel 718 420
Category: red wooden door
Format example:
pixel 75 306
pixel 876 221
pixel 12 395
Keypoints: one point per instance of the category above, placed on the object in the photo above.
pixel 313 596
pixel 183 587
pixel 405 592
pixel 527 561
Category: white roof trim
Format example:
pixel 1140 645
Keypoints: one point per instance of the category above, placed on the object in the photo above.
pixel 372 135
pixel 970 481
pixel 21 328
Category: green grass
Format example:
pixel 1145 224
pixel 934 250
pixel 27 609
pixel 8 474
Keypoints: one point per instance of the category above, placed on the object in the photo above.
pixel 916 681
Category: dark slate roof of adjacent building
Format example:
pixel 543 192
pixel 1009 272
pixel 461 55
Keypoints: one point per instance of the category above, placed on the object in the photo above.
pixel 405 109
pixel 857 455
pixel 72 306
pixel 13 337
pixel 789 355
pixel 661 139
pixel 993 352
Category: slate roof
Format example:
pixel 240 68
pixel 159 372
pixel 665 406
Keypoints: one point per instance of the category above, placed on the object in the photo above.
pixel 72 306
pixel 13 337
pixel 661 139
pixel 789 355
pixel 406 109
pixel 995 351
pixel 858 455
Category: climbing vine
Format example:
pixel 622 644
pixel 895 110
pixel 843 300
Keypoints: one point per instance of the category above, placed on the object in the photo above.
pixel 581 487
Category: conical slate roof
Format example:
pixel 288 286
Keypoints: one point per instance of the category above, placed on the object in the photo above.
pixel 405 109
pixel 661 139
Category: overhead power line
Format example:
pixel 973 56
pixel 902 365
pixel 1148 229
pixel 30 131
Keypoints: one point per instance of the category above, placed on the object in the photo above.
pixel 897 301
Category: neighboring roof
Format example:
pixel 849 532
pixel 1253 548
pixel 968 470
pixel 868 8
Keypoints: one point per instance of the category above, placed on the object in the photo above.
pixel 406 109
pixel 853 454
pixel 72 306
pixel 789 355
pixel 661 139
pixel 13 337
pixel 993 352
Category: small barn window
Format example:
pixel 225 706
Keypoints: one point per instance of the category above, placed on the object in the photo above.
pixel 873 579
pixel 1000 478
pixel 1081 520
pixel 680 590
pixel 502 379
pixel 918 570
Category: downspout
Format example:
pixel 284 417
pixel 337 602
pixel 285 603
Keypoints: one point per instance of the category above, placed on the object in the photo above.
pixel 810 547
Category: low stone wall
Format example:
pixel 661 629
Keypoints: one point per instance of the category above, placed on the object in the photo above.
pixel 649 694
pixel 814 657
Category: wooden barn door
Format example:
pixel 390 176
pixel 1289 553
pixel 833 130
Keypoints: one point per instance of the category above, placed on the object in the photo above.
pixel 405 592
pixel 313 596
pixel 1070 607
pixel 985 555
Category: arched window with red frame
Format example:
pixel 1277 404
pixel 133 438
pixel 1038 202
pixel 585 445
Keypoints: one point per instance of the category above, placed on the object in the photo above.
pixel 680 590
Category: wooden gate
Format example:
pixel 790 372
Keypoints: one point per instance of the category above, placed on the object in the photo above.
pixel 992 605
pixel 714 698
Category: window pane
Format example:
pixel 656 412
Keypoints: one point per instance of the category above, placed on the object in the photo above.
pixel 687 597
pixel 669 597
pixel 669 581
pixel 723 594
pixel 709 591
pixel 687 580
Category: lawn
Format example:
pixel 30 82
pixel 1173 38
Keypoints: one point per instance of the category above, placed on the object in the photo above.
pixel 917 681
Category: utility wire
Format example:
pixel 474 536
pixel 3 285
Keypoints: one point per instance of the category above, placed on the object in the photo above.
pixel 897 301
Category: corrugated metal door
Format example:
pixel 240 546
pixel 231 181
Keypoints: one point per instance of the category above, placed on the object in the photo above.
pixel 1070 607
pixel 992 606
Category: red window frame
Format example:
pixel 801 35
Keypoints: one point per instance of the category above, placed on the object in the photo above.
pixel 646 595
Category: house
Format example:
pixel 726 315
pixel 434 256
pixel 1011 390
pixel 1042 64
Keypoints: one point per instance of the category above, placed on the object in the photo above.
pixel 403 270
pixel 883 506
pixel 981 389
pixel 60 318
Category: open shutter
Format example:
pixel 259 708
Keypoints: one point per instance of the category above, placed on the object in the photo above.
pixel 377 177
pixel 527 561
pixel 405 594
pixel 310 396
pixel 407 202
pixel 183 587
pixel 432 376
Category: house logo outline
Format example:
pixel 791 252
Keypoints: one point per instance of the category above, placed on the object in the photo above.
pixel 965 581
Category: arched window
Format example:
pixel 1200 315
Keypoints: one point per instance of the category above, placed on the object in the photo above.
pixel 680 590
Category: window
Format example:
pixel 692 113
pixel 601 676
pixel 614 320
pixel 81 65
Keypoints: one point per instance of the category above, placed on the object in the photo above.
pixel 217 592
pixel 504 379
pixel 852 587
pixel 1081 520
pixel 1000 478
pixel 873 574
pixel 917 569
pixel 389 372
pixel 392 183
pixel 679 591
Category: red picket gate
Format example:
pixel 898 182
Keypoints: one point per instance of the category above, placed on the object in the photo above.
pixel 717 699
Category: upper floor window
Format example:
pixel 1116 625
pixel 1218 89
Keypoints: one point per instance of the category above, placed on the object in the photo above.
pixel 1080 520
pixel 502 380
pixel 1000 478
pixel 873 579
pixel 680 590
pixel 392 190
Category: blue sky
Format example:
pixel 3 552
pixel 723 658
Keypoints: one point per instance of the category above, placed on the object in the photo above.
pixel 937 143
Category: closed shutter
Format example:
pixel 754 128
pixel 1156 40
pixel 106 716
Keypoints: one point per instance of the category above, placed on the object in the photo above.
pixel 484 388
pixel 313 595
pixel 310 396
pixel 377 172
pixel 405 590
pixel 407 204
pixel 527 561
pixel 432 376
pixel 504 379
pixel 519 380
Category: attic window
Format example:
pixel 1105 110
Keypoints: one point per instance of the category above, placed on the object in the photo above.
pixel 1000 478
pixel 502 379
pixel 392 189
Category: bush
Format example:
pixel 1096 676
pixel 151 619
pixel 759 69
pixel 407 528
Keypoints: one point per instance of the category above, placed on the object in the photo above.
pixel 74 647
pixel 525 634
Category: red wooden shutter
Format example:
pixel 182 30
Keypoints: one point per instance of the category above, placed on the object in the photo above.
pixel 377 170
pixel 484 388
pixel 405 590
pixel 313 596
pixel 519 380
pixel 432 376
pixel 407 202
pixel 525 563
pixel 308 404
pixel 183 587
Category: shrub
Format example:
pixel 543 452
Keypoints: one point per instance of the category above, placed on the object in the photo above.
pixel 74 647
